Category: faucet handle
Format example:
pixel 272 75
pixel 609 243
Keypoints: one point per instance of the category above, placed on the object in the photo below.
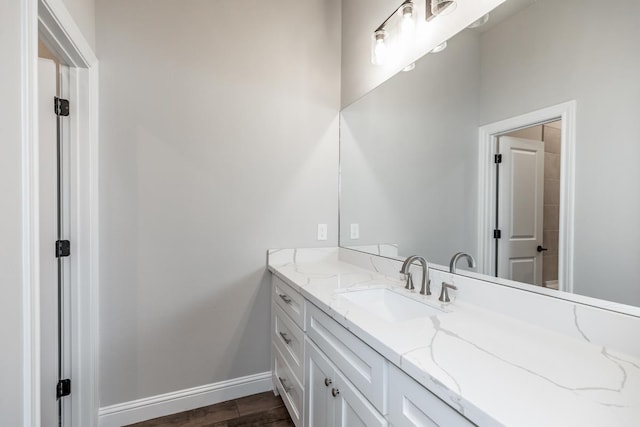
pixel 444 291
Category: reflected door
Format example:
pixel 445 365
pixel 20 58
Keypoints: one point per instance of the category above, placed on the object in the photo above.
pixel 520 209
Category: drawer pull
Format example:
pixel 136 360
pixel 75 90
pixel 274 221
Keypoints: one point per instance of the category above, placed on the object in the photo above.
pixel 285 298
pixel 284 337
pixel 335 392
pixel 284 386
pixel 328 382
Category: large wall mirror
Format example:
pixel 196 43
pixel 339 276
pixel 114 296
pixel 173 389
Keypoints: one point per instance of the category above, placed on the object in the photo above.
pixel 519 144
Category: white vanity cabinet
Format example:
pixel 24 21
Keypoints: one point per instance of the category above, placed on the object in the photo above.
pixel 327 376
pixel 287 347
pixel 331 399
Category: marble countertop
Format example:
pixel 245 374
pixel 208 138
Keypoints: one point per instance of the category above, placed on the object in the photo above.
pixel 494 369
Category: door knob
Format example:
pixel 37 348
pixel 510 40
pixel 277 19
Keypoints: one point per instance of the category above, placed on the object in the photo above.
pixel 335 392
pixel 541 249
pixel 327 382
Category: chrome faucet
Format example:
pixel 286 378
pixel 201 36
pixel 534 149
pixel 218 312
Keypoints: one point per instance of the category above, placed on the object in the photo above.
pixel 426 283
pixel 454 260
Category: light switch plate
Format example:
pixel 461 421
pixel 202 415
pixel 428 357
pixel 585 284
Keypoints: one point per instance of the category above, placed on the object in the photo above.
pixel 322 231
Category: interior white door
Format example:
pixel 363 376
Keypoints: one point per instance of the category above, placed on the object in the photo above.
pixel 520 209
pixel 47 146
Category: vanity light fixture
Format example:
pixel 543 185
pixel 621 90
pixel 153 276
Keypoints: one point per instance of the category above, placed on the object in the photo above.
pixel 442 46
pixel 439 8
pixel 406 27
pixel 480 22
pixel 379 47
pixel 408 16
pixel 409 67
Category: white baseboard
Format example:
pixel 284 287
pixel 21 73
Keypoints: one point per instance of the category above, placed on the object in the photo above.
pixel 183 400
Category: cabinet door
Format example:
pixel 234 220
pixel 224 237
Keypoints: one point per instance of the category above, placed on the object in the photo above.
pixel 319 380
pixel 352 409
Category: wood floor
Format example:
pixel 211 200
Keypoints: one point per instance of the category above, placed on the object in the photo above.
pixel 262 409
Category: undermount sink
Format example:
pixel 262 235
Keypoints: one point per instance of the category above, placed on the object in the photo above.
pixel 390 305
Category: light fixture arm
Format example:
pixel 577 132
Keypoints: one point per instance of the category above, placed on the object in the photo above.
pixel 384 23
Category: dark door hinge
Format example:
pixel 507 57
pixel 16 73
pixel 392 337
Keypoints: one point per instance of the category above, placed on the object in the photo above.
pixel 63 388
pixel 497 234
pixel 63 248
pixel 497 158
pixel 61 106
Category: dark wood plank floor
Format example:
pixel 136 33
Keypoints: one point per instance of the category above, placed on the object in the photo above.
pixel 259 410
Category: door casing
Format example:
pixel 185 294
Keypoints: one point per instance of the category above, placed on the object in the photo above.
pixel 50 21
pixel 488 135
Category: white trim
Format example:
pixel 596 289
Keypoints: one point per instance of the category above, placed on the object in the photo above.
pixel 52 21
pixel 30 215
pixel 487 183
pixel 184 400
pixel 62 34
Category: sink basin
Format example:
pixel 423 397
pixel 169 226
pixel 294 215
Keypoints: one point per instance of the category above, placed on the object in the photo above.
pixel 390 305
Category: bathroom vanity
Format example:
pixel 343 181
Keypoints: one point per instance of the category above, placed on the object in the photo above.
pixel 488 145
pixel 352 347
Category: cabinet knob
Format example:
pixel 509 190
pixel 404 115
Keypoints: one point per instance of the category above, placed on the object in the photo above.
pixel 328 382
pixel 335 392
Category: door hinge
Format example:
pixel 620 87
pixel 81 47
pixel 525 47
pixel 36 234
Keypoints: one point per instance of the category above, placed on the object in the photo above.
pixel 497 158
pixel 497 234
pixel 63 388
pixel 61 106
pixel 63 248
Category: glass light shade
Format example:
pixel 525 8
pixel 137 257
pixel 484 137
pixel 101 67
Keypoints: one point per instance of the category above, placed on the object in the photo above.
pixel 408 17
pixel 442 46
pixel 409 67
pixel 480 22
pixel 442 7
pixel 379 47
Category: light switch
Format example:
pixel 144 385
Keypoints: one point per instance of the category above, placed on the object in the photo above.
pixel 355 231
pixel 322 231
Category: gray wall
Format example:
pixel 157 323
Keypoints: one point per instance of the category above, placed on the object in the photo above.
pixel 11 360
pixel 558 51
pixel 219 139
pixel 407 164
pixel 83 13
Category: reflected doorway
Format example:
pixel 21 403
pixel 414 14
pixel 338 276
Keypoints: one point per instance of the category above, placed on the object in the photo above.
pixel 528 204
pixel 513 203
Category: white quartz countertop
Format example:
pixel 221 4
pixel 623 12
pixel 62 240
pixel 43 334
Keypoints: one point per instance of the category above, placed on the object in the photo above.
pixel 494 369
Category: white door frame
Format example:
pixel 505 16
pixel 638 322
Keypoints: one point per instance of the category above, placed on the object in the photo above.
pixel 488 135
pixel 52 22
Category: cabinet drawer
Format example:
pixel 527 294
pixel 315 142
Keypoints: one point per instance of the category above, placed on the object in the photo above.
pixel 290 389
pixel 359 363
pixel 411 404
pixel 289 339
pixel 289 300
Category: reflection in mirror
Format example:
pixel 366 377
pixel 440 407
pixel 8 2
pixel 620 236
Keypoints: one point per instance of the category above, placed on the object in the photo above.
pixel 564 200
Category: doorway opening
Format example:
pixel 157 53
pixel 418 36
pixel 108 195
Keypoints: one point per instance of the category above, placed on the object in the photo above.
pixel 54 232
pixel 528 204
pixel 65 67
pixel 526 191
